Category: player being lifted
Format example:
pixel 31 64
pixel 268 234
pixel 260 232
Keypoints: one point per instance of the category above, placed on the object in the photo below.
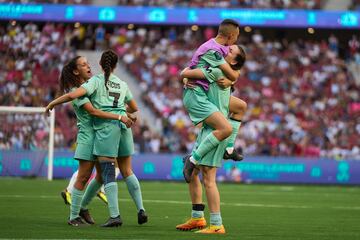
pixel 200 109
pixel 209 163
pixel 107 92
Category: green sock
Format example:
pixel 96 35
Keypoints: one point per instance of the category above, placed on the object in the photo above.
pixel 111 192
pixel 206 145
pixel 90 192
pixel 76 197
pixel 197 214
pixel 235 129
pixel 134 189
pixel 215 219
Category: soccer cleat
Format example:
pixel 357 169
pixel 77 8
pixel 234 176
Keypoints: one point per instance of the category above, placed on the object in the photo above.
pixel 212 229
pixel 77 222
pixel 234 156
pixel 85 214
pixel 142 217
pixel 66 196
pixel 188 168
pixel 113 222
pixel 192 223
pixel 102 197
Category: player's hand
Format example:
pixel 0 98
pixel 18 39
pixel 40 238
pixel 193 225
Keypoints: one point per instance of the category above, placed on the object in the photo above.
pixel 188 83
pixel 48 109
pixel 127 121
pixel 182 72
pixel 132 116
pixel 224 83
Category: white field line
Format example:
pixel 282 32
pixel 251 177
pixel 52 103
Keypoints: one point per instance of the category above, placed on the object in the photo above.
pixel 257 205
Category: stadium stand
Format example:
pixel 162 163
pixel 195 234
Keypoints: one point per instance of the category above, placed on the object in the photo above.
pixel 302 98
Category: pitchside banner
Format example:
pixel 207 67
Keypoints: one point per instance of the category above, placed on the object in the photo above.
pixel 169 167
pixel 178 15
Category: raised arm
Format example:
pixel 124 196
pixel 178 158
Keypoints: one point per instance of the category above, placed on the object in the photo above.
pixel 106 115
pixel 231 74
pixel 79 92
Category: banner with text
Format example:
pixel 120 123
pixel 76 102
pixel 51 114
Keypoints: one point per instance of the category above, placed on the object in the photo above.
pixel 179 15
pixel 169 167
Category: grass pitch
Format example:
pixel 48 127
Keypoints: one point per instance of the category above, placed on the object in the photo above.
pixel 34 209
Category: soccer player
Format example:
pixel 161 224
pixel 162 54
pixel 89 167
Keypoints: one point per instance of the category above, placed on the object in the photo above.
pixel 75 73
pixel 196 101
pixel 109 93
pixel 209 163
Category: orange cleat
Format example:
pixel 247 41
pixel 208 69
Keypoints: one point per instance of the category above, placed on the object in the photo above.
pixel 212 229
pixel 192 223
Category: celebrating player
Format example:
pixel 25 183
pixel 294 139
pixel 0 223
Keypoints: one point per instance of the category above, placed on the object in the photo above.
pixel 109 93
pixel 75 73
pixel 201 109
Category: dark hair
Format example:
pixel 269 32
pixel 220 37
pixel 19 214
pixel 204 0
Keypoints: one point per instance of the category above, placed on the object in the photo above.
pixel 68 79
pixel 227 26
pixel 108 62
pixel 240 59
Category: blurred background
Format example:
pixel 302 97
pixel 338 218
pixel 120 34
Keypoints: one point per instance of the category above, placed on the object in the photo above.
pixel 301 82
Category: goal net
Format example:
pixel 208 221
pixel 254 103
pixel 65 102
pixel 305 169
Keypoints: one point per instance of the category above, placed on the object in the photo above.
pixel 26 142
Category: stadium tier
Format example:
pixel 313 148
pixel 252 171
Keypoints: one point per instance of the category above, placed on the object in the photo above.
pixel 302 98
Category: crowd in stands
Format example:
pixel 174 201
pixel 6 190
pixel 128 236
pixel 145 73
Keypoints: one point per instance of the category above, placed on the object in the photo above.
pixel 302 99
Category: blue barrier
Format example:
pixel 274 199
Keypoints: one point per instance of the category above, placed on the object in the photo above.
pixel 179 16
pixel 169 167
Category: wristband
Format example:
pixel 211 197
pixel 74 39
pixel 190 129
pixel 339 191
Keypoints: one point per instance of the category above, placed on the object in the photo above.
pixel 119 118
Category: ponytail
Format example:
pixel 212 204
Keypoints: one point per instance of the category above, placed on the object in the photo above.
pixel 108 63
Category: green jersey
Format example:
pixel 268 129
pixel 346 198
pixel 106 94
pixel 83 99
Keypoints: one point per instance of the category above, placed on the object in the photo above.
pixel 112 99
pixel 84 121
pixel 211 59
pixel 217 95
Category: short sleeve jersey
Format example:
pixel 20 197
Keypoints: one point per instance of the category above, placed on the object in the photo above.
pixel 112 99
pixel 211 59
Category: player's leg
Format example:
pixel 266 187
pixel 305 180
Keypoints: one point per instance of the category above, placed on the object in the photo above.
pixel 222 130
pixel 126 149
pixel 93 187
pixel 107 165
pixel 84 173
pixel 213 199
pixel 106 146
pixel 66 193
pixel 237 109
pixel 197 220
pixel 133 187
pixel 200 109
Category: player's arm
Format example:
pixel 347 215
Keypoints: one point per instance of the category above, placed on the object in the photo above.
pixel 106 115
pixel 231 74
pixel 132 110
pixel 192 73
pixel 224 83
pixel 215 59
pixel 79 92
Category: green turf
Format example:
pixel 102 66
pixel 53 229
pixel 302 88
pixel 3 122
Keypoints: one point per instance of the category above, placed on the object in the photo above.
pixel 34 209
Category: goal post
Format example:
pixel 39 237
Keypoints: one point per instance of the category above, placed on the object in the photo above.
pixel 30 110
